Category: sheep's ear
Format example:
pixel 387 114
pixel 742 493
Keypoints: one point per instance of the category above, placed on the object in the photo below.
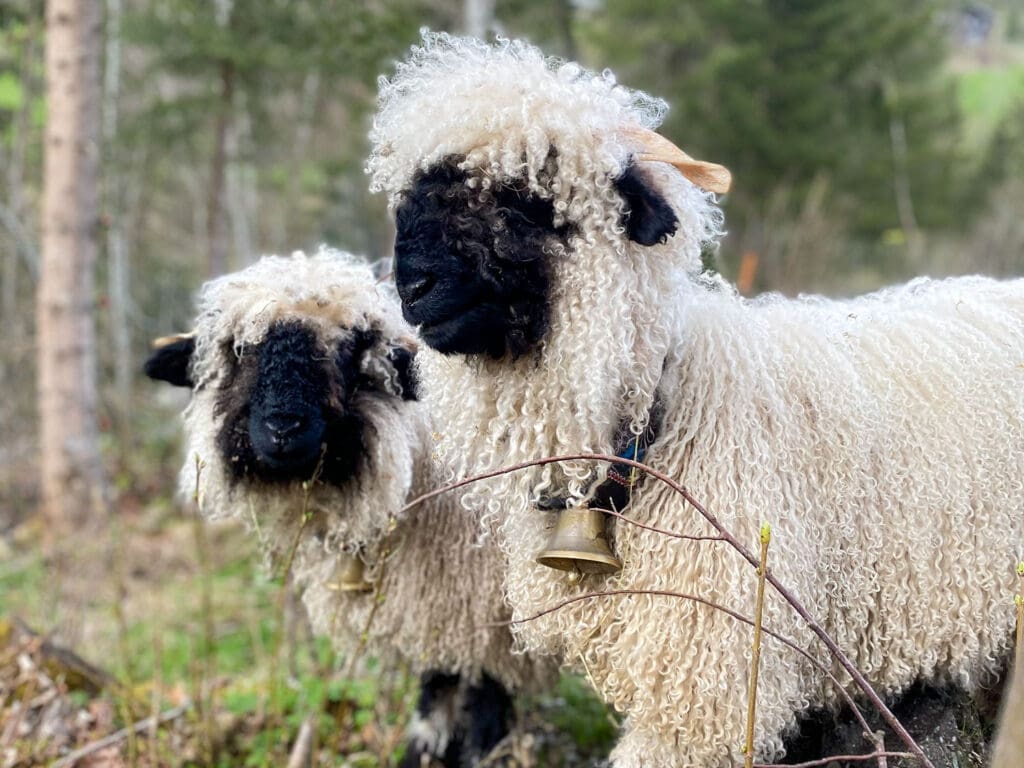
pixel 648 217
pixel 170 359
pixel 402 356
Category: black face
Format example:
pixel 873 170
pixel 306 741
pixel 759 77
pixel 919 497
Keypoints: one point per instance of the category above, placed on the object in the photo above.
pixel 470 264
pixel 472 267
pixel 288 410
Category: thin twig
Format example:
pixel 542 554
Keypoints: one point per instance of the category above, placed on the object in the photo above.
pixel 662 531
pixel 378 599
pixel 755 661
pixel 1019 600
pixel 121 623
pixel 302 752
pixel 747 555
pixel 307 490
pixel 282 596
pixel 883 759
pixel 207 663
pixel 837 758
pixel 703 601
pixel 118 736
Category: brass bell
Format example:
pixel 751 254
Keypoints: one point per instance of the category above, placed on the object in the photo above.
pixel 579 544
pixel 350 575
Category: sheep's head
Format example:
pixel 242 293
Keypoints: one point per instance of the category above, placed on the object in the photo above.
pixel 501 167
pixel 287 406
pixel 292 364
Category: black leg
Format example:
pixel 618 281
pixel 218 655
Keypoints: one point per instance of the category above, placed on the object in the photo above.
pixel 434 734
pixel 488 714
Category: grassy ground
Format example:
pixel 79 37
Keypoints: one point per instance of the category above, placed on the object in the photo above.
pixel 186 622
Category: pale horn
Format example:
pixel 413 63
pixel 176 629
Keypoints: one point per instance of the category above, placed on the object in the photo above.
pixel 653 147
pixel 166 341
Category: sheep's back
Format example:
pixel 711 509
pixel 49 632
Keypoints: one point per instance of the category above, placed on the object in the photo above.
pixel 882 438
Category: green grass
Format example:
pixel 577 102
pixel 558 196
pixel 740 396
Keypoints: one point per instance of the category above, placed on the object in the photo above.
pixel 256 697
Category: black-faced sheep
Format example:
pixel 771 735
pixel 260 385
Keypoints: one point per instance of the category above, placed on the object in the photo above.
pixel 552 262
pixel 304 421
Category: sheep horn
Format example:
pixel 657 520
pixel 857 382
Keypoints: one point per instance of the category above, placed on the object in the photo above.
pixel 653 147
pixel 166 341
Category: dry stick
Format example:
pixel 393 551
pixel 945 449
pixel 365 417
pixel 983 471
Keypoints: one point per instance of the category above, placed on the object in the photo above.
pixel 883 759
pixel 748 748
pixel 703 601
pixel 662 531
pixel 1019 600
pixel 108 741
pixel 378 598
pixel 880 755
pixel 157 697
pixel 302 752
pixel 124 703
pixel 207 667
pixel 747 555
pixel 306 516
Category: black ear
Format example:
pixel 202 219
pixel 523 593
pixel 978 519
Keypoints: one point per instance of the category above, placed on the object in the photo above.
pixel 402 358
pixel 170 360
pixel 648 217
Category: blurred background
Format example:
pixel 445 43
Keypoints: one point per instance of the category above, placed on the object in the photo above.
pixel 870 141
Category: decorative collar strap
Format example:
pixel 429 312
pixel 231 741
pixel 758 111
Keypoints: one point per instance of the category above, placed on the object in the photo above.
pixel 616 490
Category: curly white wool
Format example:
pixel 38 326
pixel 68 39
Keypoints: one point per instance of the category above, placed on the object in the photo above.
pixel 883 437
pixel 335 293
pixel 437 589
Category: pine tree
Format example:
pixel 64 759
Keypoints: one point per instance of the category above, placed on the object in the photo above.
pixel 785 91
pixel 69 450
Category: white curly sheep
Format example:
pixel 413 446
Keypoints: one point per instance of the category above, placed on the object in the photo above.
pixel 304 423
pixel 553 265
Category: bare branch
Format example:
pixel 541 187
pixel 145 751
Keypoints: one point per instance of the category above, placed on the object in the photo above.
pixel 662 531
pixel 836 758
pixel 747 555
pixel 703 601
pixel 118 736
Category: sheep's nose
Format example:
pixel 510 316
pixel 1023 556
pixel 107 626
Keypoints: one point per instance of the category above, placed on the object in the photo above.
pixel 283 427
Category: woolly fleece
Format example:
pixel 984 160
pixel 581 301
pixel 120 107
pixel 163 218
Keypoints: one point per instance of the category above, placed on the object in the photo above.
pixel 883 437
pixel 435 588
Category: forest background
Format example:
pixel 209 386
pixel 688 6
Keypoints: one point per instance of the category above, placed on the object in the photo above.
pixel 870 141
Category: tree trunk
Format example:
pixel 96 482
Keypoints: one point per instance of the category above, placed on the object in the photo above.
pixel 69 452
pixel 21 129
pixel 565 11
pixel 118 265
pixel 478 17
pixel 216 224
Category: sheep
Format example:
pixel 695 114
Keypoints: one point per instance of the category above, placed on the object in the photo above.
pixel 304 423
pixel 549 248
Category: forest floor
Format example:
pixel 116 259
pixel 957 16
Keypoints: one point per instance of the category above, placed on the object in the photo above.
pixel 190 655
pixel 184 652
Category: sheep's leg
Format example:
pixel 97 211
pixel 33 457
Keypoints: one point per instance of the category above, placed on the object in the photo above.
pixel 433 733
pixel 457 723
pixel 488 713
